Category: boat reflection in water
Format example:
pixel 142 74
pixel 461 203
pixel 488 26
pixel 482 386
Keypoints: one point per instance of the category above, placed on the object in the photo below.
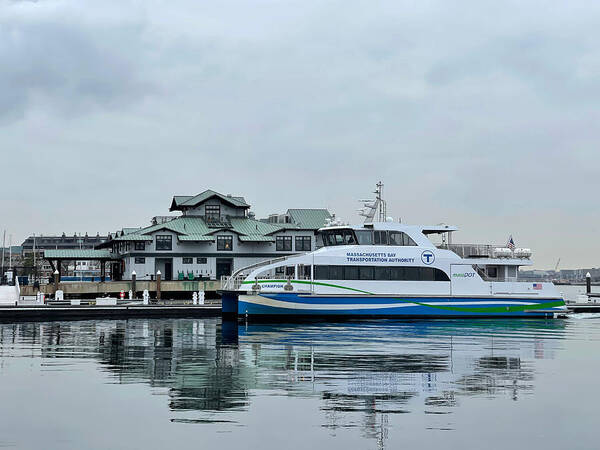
pixel 360 373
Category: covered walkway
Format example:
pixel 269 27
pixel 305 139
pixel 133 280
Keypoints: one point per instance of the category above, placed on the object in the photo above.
pixel 55 257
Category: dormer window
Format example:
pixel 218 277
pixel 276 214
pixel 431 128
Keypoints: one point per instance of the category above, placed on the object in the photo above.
pixel 213 211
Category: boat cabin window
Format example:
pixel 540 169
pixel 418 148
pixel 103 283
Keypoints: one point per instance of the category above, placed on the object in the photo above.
pixel 287 271
pixel 400 238
pixel 338 237
pixel 380 273
pixel 380 237
pixel 366 237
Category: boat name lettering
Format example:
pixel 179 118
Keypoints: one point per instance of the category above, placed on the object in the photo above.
pixel 376 257
pixel 464 275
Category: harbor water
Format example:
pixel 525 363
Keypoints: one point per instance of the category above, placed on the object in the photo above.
pixel 201 383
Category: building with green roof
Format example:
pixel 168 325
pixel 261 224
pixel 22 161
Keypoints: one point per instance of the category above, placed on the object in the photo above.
pixel 213 235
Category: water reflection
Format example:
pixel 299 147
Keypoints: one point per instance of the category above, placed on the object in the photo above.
pixel 361 373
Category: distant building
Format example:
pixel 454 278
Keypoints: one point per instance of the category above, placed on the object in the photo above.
pixel 38 245
pixel 213 236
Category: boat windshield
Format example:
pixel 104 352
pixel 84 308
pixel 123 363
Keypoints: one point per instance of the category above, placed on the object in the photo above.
pixel 338 237
pixel 366 237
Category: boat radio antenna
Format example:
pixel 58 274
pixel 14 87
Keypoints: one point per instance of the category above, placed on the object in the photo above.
pixel 372 207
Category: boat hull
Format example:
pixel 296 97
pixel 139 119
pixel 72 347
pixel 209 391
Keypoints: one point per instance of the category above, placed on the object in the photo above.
pixel 297 305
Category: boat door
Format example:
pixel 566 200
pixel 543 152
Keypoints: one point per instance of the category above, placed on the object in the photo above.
pixel 465 281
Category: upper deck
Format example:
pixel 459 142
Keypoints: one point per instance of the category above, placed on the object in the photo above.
pixel 397 234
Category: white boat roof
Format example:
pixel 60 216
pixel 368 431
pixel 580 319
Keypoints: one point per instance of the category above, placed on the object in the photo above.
pixel 425 229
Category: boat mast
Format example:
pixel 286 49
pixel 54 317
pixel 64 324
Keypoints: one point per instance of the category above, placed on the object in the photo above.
pixel 372 207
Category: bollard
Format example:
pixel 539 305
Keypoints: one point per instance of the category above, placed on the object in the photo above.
pixel 194 298
pixel 130 294
pixel 146 296
pixel 133 283
pixel 201 297
pixel 158 274
pixel 56 280
pixel 588 283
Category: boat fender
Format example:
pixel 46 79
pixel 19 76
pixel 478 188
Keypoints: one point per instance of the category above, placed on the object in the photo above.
pixel 288 286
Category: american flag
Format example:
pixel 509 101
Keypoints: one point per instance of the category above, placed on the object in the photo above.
pixel 511 243
pixel 537 286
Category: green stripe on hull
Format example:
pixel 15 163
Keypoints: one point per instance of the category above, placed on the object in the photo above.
pixel 482 309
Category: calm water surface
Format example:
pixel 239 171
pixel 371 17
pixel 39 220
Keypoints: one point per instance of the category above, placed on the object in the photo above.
pixel 192 383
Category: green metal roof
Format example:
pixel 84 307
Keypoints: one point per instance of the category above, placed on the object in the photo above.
pixel 309 218
pixel 179 199
pixel 245 226
pixel 196 238
pixel 195 229
pixel 180 225
pixel 78 254
pixel 133 237
pixel 190 201
pixel 256 238
pixel 129 230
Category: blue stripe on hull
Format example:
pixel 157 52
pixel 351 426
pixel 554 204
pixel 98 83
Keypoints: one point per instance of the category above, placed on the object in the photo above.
pixel 414 310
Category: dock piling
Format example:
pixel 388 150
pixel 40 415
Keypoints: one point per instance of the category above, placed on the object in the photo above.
pixel 158 275
pixel 56 281
pixel 588 283
pixel 133 287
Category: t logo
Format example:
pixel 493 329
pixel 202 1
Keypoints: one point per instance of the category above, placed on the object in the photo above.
pixel 427 257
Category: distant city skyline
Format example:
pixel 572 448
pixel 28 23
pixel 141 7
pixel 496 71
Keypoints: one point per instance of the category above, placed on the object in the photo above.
pixel 485 120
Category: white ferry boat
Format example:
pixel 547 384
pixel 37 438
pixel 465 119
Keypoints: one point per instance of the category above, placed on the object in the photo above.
pixel 383 269
pixel 391 269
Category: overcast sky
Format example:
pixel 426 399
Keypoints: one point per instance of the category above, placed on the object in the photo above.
pixel 482 114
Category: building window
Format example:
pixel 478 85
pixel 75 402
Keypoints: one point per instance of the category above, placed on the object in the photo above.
pixel 188 260
pixel 303 243
pixel 212 210
pixel 140 260
pixel 140 245
pixel 164 243
pixel 201 260
pixel 225 243
pixel 283 243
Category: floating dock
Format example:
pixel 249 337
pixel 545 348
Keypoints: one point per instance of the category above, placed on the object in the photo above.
pixel 583 307
pixel 122 311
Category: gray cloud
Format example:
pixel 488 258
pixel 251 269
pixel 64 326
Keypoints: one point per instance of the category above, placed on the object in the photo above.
pixel 66 66
pixel 480 114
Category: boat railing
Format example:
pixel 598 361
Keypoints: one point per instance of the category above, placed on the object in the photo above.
pixel 233 282
pixel 471 250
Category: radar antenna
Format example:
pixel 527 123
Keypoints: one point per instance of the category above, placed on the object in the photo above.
pixel 372 207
